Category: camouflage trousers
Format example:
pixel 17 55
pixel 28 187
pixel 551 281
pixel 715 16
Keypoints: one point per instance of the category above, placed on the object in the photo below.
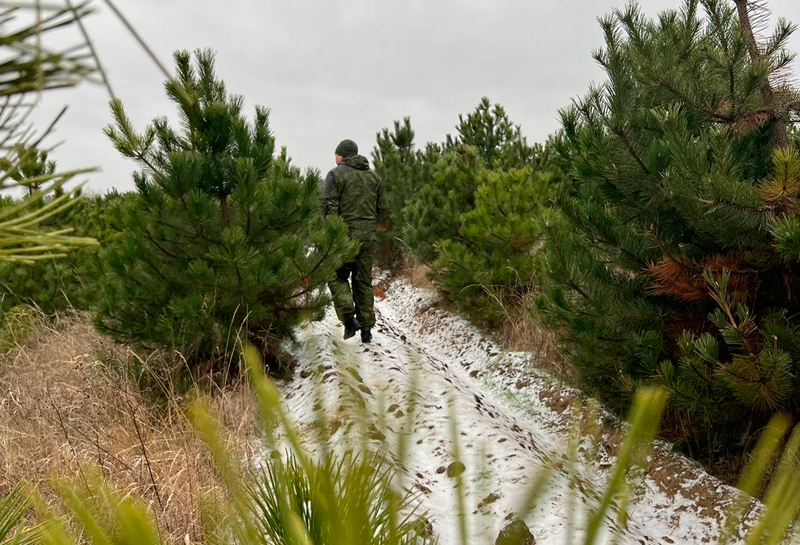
pixel 357 299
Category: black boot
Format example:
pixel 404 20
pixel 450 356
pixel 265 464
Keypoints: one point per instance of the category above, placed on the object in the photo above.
pixel 351 326
pixel 366 336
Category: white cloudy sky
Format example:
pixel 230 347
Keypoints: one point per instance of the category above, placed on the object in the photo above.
pixel 345 69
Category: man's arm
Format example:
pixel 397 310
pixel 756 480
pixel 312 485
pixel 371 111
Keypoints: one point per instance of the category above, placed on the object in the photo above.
pixel 330 196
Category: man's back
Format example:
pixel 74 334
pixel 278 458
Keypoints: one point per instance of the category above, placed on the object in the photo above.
pixel 355 193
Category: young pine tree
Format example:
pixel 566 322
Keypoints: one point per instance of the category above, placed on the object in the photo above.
pixel 29 167
pixel 674 256
pixel 492 267
pixel 223 240
pixel 498 140
pixel 434 213
pixel 404 171
pixel 486 138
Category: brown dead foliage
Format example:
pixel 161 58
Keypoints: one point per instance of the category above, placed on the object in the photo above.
pixel 420 276
pixel 745 124
pixel 523 331
pixel 379 292
pixel 66 413
pixel 683 279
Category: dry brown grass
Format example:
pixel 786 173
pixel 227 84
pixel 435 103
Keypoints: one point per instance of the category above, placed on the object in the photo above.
pixel 66 413
pixel 523 331
pixel 420 275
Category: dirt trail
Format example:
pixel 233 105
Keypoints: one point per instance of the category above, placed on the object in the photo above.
pixel 510 419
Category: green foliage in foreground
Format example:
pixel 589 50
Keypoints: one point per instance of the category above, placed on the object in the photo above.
pixel 73 281
pixel 31 67
pixel 348 498
pixel 342 499
pixel 12 510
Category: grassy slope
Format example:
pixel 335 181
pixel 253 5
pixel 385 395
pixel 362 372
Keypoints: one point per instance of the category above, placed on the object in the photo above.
pixel 67 408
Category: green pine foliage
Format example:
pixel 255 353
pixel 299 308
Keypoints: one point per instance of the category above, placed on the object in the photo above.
pixel 72 282
pixel 52 285
pixel 30 65
pixel 497 139
pixel 224 239
pixel 404 170
pixel 434 212
pixel 28 166
pixel 429 190
pixel 492 267
pixel 673 255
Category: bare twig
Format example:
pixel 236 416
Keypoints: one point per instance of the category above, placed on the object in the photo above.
pixel 138 38
pixel 90 44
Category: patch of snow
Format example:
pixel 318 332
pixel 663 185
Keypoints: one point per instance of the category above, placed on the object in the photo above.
pixel 511 419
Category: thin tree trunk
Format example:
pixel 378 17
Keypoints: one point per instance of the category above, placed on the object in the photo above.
pixel 780 138
pixel 226 213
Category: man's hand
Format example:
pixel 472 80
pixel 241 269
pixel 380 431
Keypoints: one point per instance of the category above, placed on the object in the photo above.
pixel 384 226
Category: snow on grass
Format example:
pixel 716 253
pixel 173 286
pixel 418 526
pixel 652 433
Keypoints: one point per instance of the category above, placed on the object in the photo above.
pixel 510 420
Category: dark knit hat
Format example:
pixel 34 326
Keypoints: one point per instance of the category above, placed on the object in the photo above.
pixel 347 148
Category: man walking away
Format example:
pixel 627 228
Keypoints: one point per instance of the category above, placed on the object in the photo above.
pixel 354 192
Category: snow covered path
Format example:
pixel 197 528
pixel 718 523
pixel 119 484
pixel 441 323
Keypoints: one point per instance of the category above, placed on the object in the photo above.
pixel 511 419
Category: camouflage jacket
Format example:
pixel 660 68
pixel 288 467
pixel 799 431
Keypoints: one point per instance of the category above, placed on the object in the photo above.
pixel 355 193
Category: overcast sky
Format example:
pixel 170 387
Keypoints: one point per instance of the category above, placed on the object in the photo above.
pixel 345 69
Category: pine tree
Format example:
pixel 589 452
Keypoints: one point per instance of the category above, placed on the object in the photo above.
pixel 224 239
pixel 404 171
pixel 29 167
pixel 497 139
pixel 492 268
pixel 486 138
pixel 672 257
pixel 434 213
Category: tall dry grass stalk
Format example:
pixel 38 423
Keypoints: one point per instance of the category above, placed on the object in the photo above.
pixel 68 407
